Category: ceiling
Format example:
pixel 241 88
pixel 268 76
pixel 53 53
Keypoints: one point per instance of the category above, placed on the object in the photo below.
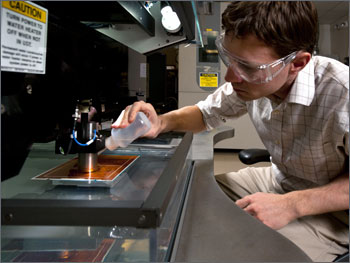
pixel 331 11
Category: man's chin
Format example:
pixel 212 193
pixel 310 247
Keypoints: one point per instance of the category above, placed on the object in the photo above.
pixel 245 96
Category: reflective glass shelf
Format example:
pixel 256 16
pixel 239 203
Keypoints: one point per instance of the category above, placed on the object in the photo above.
pixel 135 220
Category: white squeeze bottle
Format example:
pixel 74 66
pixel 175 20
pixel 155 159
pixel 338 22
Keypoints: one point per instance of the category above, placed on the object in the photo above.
pixel 123 137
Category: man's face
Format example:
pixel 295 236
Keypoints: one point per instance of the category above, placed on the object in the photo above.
pixel 251 50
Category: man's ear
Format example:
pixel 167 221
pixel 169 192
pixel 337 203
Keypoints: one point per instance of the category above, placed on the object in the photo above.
pixel 300 62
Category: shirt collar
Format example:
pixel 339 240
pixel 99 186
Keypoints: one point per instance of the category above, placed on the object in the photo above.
pixel 303 88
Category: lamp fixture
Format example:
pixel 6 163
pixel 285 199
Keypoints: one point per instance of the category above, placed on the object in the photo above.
pixel 170 20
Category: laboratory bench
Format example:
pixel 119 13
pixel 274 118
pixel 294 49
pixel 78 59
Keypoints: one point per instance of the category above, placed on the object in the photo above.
pixel 164 207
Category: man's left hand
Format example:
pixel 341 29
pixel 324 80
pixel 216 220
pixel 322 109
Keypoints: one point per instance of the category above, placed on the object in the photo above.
pixel 274 210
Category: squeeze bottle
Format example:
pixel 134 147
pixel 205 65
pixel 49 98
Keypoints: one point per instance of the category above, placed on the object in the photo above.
pixel 123 137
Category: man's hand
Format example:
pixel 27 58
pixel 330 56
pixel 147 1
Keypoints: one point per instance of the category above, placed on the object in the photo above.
pixel 187 118
pixel 277 210
pixel 130 115
pixel 274 210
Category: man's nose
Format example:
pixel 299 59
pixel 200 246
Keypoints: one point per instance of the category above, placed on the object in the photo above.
pixel 232 76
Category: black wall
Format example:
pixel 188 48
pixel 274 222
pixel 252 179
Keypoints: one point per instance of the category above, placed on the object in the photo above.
pixel 80 64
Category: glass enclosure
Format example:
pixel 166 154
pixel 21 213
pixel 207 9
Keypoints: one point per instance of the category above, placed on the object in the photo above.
pixel 98 243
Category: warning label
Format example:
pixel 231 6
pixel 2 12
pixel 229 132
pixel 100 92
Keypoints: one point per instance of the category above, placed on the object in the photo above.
pixel 208 79
pixel 26 9
pixel 23 37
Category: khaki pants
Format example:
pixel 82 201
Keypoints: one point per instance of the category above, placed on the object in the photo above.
pixel 321 237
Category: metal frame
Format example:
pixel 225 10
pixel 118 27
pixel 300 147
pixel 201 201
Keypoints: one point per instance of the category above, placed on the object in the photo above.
pixel 140 15
pixel 146 214
pixel 135 36
pixel 174 241
pixel 185 13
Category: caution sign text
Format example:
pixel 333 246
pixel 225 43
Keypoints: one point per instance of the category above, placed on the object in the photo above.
pixel 208 79
pixel 23 37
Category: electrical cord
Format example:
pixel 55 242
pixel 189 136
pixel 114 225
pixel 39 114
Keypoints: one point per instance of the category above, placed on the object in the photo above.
pixel 84 144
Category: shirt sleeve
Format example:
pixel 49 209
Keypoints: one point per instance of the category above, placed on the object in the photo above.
pixel 341 125
pixel 221 105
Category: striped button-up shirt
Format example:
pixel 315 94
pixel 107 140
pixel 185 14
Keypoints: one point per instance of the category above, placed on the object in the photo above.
pixel 307 134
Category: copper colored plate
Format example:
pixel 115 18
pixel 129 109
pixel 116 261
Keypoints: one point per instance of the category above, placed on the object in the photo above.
pixel 96 255
pixel 109 167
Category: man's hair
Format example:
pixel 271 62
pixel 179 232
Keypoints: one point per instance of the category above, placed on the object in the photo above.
pixel 285 26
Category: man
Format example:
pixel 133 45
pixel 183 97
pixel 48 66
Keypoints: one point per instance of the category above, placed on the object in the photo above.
pixel 299 105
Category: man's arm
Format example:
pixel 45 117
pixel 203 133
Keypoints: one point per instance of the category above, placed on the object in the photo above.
pixel 331 197
pixel 277 210
pixel 188 118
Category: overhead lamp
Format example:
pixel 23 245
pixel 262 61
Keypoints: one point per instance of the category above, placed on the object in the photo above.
pixel 170 20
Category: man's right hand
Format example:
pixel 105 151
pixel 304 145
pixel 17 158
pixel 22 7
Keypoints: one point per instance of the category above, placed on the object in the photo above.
pixel 130 115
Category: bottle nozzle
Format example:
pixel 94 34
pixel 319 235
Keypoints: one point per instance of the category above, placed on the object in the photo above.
pixel 110 144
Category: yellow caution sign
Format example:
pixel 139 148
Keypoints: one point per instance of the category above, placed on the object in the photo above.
pixel 208 79
pixel 26 9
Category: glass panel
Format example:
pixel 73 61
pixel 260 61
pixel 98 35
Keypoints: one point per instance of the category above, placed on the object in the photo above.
pixel 135 183
pixel 75 244
pixel 91 244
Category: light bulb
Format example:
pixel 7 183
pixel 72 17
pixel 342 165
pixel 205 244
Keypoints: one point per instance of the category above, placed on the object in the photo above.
pixel 170 20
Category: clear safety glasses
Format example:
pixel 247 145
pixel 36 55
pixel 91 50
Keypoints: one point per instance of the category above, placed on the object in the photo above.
pixel 250 72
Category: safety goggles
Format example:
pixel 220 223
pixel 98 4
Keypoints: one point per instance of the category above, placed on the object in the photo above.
pixel 252 73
